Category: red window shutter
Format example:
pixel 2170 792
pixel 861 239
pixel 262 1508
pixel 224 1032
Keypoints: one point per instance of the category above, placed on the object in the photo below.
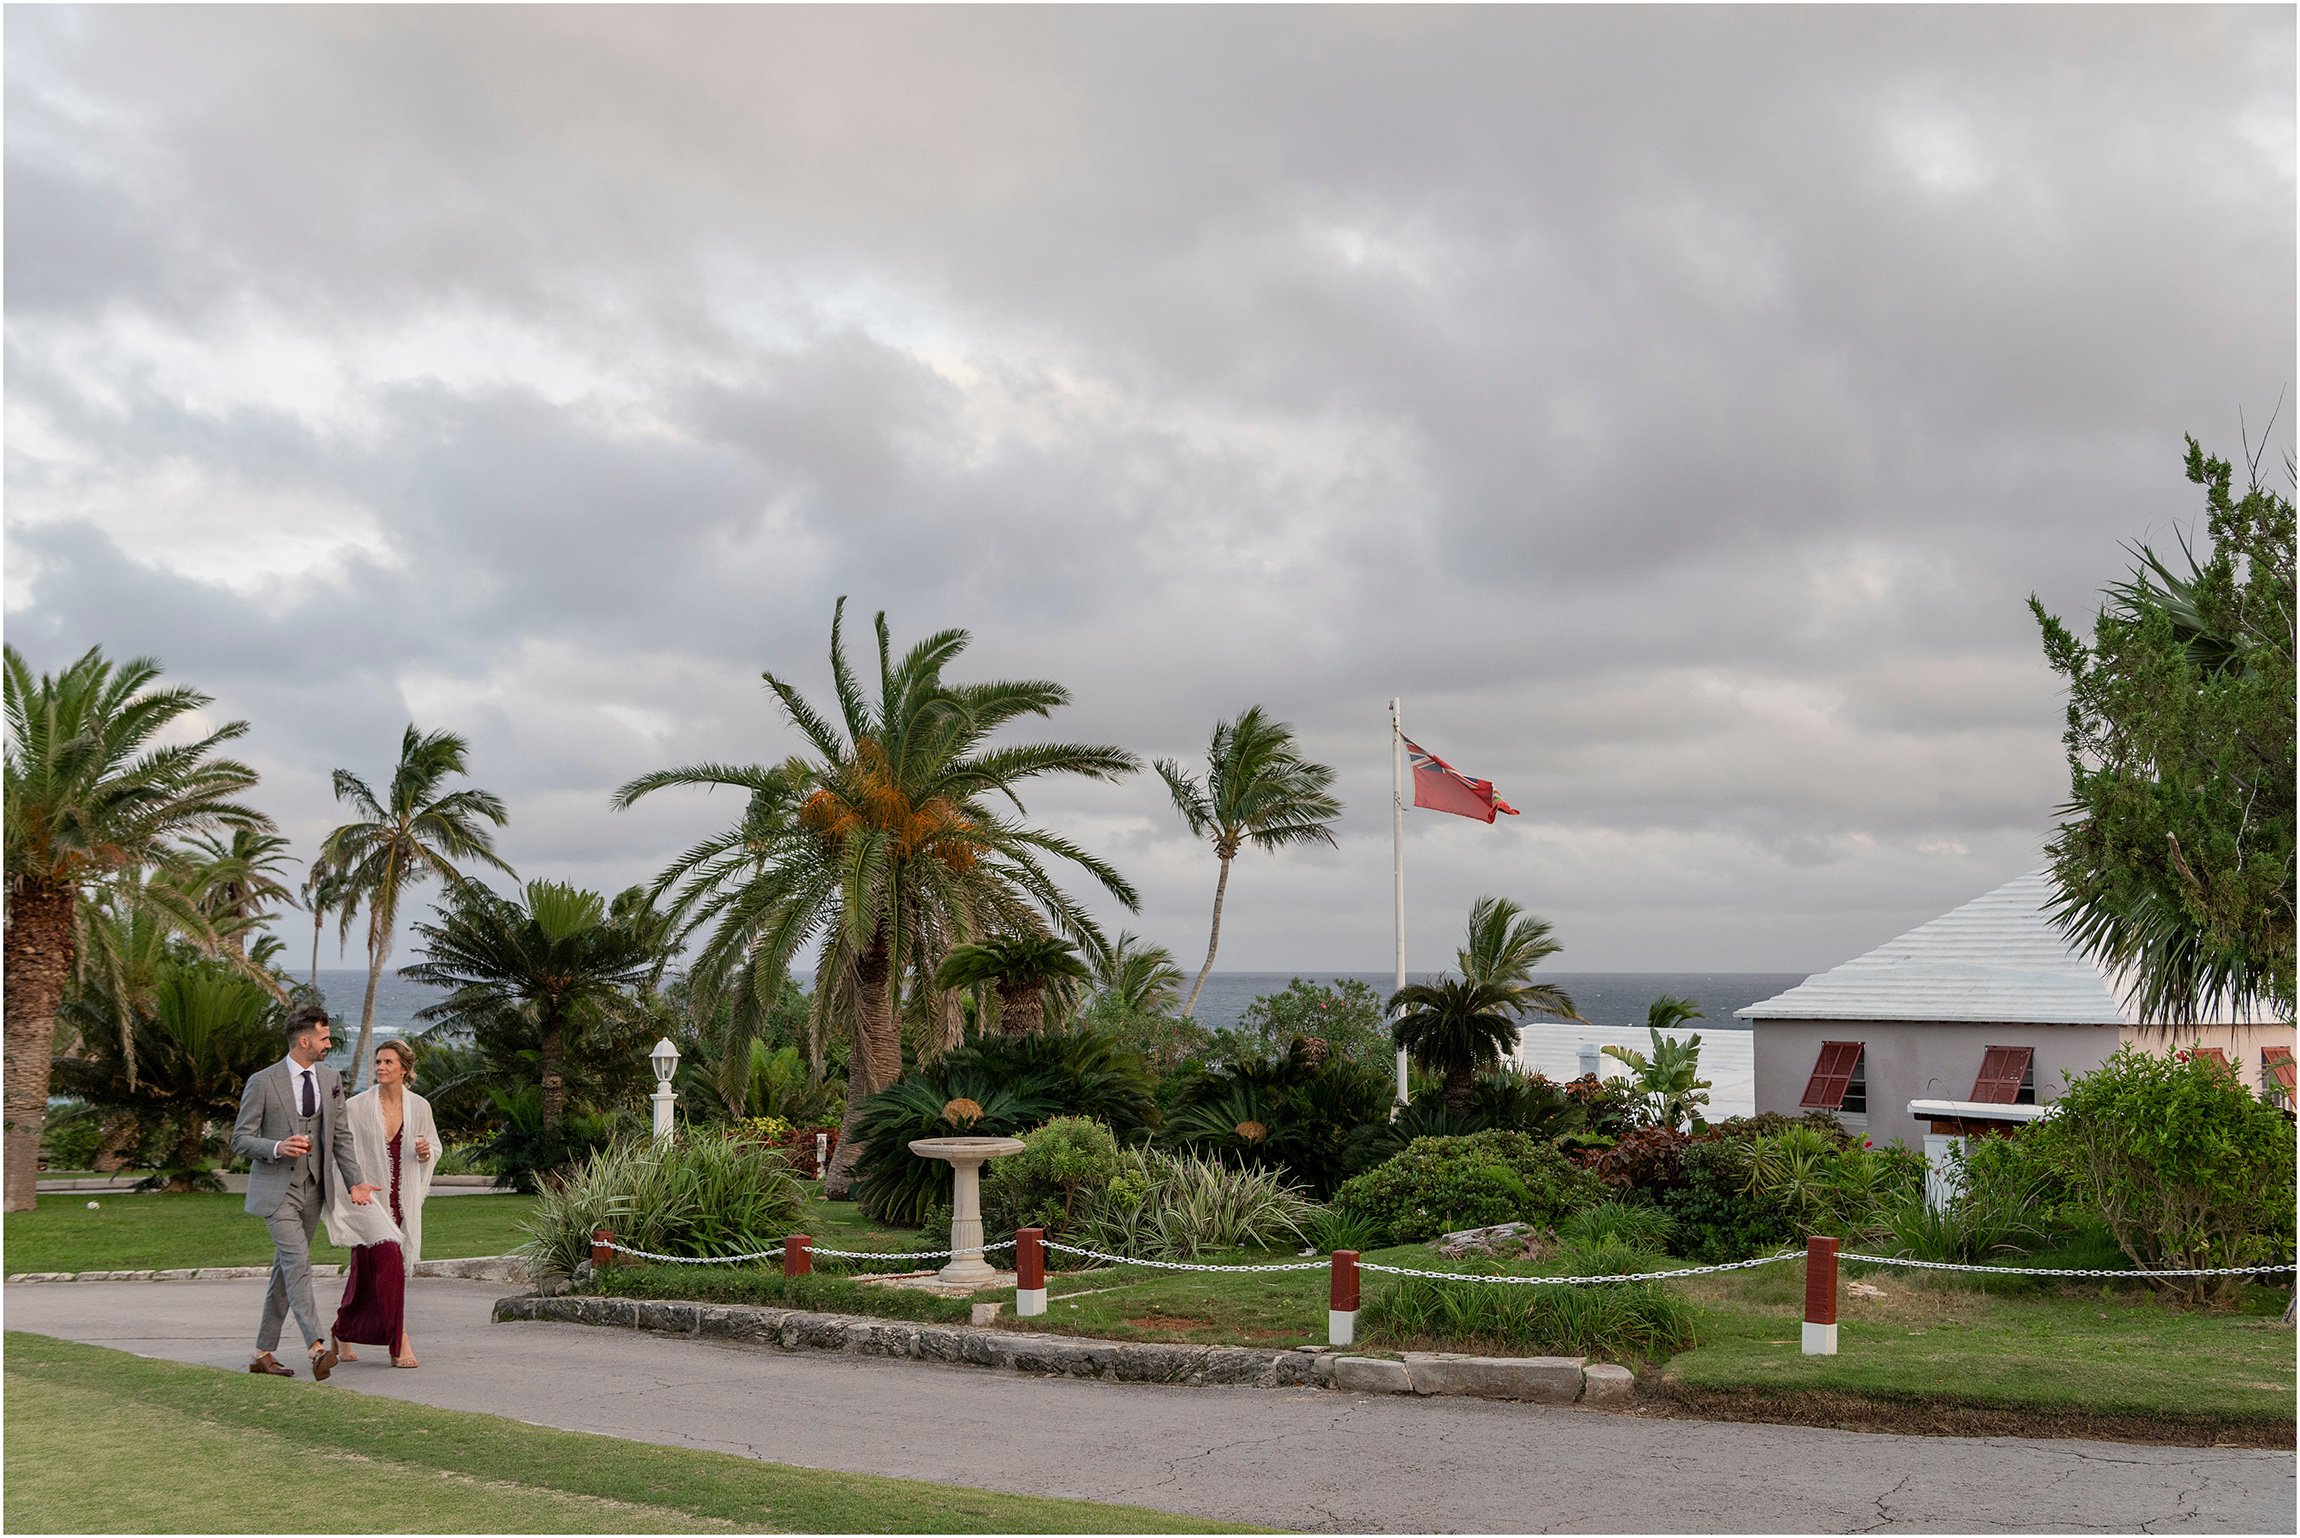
pixel 2216 1055
pixel 2002 1069
pixel 2279 1065
pixel 1832 1071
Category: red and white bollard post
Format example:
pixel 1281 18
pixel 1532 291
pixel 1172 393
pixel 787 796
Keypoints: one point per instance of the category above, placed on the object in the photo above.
pixel 1820 1296
pixel 602 1251
pixel 798 1255
pixel 1342 1301
pixel 1029 1272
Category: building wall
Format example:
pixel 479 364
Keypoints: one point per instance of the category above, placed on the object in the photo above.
pixel 1909 1060
pixel 2242 1044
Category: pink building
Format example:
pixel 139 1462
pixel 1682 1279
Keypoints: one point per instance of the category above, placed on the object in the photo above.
pixel 1969 1022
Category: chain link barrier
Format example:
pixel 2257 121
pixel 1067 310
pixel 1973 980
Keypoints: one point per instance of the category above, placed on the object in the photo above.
pixel 1177 1265
pixel 1849 1258
pixel 1581 1281
pixel 816 1249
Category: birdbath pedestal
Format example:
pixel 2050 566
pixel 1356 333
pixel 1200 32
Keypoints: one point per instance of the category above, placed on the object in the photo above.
pixel 966 1156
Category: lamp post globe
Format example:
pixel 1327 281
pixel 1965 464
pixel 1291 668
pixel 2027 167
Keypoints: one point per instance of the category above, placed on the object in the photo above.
pixel 665 1059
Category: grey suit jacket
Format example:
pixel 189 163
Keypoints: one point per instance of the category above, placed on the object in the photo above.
pixel 267 1115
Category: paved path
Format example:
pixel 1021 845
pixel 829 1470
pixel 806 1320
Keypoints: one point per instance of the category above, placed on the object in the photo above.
pixel 1300 1459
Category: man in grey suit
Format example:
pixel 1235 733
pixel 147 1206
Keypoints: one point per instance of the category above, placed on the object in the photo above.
pixel 297 1142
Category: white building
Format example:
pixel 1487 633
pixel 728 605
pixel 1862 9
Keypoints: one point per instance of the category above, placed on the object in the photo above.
pixel 1968 1023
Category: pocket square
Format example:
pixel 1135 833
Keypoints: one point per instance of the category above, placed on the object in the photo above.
pixel 335 1093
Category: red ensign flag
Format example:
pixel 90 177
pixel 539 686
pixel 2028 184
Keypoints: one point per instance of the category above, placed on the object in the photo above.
pixel 1441 787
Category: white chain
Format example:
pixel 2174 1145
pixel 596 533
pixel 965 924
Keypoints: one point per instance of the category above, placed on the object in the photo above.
pixel 1578 1281
pixel 1176 1265
pixel 729 1260
pixel 978 1249
pixel 689 1260
pixel 1943 1265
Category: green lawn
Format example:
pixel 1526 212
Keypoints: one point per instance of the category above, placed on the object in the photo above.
pixel 100 1441
pixel 161 1232
pixel 2017 1344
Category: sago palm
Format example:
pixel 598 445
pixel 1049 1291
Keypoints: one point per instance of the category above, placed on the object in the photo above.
pixel 415 830
pixel 888 845
pixel 1023 969
pixel 555 951
pixel 1258 790
pixel 94 799
pixel 1455 1027
pixel 1505 944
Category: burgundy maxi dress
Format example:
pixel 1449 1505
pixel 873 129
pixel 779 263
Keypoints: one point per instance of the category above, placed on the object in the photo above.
pixel 374 1311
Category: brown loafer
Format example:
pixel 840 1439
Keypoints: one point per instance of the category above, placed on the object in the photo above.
pixel 323 1364
pixel 265 1363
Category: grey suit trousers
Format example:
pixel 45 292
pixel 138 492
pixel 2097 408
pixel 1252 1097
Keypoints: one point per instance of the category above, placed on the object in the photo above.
pixel 292 1226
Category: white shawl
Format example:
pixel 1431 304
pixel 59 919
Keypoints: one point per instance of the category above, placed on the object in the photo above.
pixel 350 1226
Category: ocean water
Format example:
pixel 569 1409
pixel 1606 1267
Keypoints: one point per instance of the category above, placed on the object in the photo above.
pixel 1613 1002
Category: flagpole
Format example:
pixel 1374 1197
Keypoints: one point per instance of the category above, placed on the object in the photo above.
pixel 1398 857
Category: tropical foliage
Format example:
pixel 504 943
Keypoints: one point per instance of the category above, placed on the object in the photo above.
pixel 2175 857
pixel 1347 1015
pixel 416 830
pixel 1065 1167
pixel 1180 1206
pixel 989 1087
pixel 1668 1083
pixel 97 796
pixel 1504 945
pixel 699 1194
pixel 1456 1027
pixel 1296 1112
pixel 1440 1184
pixel 1034 975
pixel 889 846
pixel 1259 790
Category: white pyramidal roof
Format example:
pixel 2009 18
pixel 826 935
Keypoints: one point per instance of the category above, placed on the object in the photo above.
pixel 1996 959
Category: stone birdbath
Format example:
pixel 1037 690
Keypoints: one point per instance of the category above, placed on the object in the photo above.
pixel 966 1156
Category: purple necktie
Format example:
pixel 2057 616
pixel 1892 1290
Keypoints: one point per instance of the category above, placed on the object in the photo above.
pixel 310 1105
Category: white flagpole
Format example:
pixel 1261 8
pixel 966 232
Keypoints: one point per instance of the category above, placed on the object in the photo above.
pixel 1398 856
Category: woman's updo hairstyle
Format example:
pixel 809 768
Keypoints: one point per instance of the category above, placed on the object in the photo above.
pixel 405 1054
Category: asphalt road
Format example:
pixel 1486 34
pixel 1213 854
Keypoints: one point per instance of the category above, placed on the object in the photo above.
pixel 1299 1459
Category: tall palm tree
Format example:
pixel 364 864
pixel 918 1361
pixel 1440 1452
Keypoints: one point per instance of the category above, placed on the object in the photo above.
pixel 556 951
pixel 888 845
pixel 91 802
pixel 236 881
pixel 1258 790
pixel 328 893
pixel 1505 944
pixel 1141 978
pixel 415 830
pixel 1455 1027
pixel 1023 968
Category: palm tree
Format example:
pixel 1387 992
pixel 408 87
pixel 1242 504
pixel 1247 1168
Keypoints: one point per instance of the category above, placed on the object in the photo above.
pixel 1258 790
pixel 327 892
pixel 888 845
pixel 413 831
pixel 235 882
pixel 91 802
pixel 1023 968
pixel 1505 944
pixel 1455 1027
pixel 1141 979
pixel 556 952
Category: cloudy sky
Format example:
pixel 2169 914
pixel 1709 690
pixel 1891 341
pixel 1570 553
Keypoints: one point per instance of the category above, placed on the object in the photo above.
pixel 1675 407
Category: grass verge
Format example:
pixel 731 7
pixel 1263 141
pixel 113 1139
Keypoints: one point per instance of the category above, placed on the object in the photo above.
pixel 159 1231
pixel 101 1441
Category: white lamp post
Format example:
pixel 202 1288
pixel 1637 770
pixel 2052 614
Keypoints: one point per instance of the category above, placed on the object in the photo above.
pixel 665 1057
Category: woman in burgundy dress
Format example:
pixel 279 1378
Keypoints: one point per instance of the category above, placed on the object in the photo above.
pixel 395 1141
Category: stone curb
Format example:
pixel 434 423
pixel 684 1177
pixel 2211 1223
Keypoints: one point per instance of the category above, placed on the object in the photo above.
pixel 1540 1379
pixel 1060 1356
pixel 478 1268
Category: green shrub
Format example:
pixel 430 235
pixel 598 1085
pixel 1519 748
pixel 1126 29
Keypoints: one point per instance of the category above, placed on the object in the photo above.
pixel 1296 1113
pixel 1507 1101
pixel 1167 1206
pixel 994 1086
pixel 699 1194
pixel 2004 1206
pixel 1826 1187
pixel 71 1136
pixel 1333 1229
pixel 1618 1321
pixel 1716 1218
pixel 1444 1183
pixel 2184 1164
pixel 1065 1167
pixel 1642 1227
pixel 1349 1016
